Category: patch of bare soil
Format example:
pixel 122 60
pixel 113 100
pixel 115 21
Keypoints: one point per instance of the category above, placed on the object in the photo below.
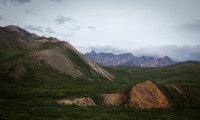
pixel 82 102
pixel 114 99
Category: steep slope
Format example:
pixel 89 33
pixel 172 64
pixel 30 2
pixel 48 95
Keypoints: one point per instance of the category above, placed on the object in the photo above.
pixel 57 60
pixel 17 43
pixel 95 69
pixel 110 59
pixel 147 95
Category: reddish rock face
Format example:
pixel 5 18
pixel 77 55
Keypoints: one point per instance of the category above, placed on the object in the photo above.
pixel 142 95
pixel 112 99
pixel 147 95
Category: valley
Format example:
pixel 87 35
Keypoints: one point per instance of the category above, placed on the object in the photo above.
pixel 36 72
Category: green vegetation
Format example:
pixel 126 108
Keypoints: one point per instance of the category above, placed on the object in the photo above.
pixel 34 96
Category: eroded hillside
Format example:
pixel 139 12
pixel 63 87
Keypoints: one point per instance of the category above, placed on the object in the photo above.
pixel 62 56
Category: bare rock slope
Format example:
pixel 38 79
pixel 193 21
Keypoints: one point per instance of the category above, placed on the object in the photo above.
pixel 142 95
pixel 147 95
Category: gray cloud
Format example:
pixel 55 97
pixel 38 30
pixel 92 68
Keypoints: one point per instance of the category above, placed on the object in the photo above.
pixel 190 27
pixel 15 2
pixel 34 28
pixel 95 29
pixel 75 27
pixel 62 20
pixel 59 1
pixel 91 27
pixel 3 2
pixel 20 1
pixel 67 35
pixel 27 12
pixel 1 17
pixel 107 49
pixel 48 30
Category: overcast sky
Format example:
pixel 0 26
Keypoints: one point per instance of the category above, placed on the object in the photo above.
pixel 143 27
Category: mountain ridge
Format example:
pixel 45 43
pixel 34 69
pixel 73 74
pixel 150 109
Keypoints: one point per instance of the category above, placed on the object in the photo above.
pixel 128 59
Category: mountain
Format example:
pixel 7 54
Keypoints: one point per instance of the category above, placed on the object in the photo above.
pixel 19 47
pixel 127 59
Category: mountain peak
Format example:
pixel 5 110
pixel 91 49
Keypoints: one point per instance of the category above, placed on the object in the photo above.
pixel 13 28
pixel 93 52
pixel 166 57
pixel 21 31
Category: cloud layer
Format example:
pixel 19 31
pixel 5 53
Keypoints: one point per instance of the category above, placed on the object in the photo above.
pixel 15 2
pixel 191 27
pixel 62 19
pixel 21 1
pixel 34 28
pixel 59 1
pixel 39 29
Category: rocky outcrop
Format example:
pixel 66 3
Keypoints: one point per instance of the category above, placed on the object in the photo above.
pixel 82 102
pixel 147 95
pixel 142 95
pixel 114 99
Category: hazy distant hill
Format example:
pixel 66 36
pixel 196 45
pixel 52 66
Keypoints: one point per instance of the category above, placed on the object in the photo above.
pixel 127 59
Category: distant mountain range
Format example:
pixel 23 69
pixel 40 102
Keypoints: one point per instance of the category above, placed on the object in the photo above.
pixel 128 59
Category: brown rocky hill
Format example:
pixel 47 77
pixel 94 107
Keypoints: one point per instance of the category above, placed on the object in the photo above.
pixel 142 95
pixel 18 44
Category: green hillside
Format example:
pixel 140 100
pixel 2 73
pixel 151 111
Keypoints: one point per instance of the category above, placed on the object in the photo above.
pixel 34 96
